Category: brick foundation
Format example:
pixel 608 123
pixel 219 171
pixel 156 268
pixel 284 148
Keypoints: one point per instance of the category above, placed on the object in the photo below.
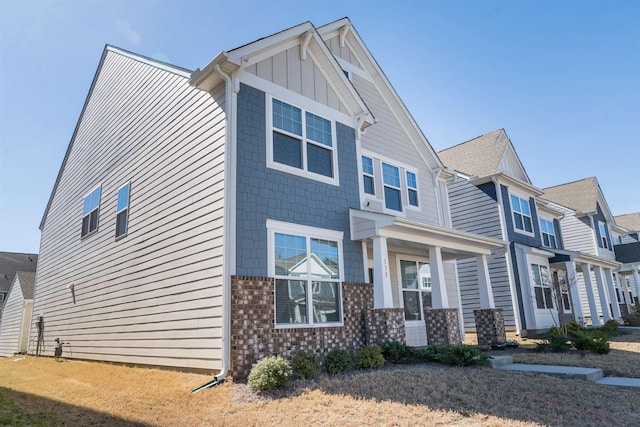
pixel 443 326
pixel 253 331
pixel 384 324
pixel 490 326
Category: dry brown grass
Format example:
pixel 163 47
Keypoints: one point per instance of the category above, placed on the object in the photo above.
pixel 43 392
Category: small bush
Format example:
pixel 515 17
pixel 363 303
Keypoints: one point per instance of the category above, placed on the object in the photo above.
pixel 269 373
pixel 337 361
pixel 397 352
pixel 558 343
pixel 428 354
pixel 369 357
pixel 595 341
pixel 460 355
pixel 573 327
pixel 305 365
pixel 554 331
pixel 611 326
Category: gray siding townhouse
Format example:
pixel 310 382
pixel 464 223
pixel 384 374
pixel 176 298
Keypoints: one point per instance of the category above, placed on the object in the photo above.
pixel 589 260
pixel 493 195
pixel 280 198
pixel 626 244
pixel 16 315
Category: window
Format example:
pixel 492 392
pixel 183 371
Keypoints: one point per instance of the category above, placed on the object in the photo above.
pixel 541 286
pixel 604 241
pixel 412 188
pixel 548 233
pixel 521 214
pixel 308 273
pixel 301 140
pixel 563 285
pixel 122 211
pixel 2 296
pixel 391 181
pixel 367 175
pixel 90 212
pixel 416 288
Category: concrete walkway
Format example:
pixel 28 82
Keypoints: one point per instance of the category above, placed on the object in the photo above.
pixel 505 363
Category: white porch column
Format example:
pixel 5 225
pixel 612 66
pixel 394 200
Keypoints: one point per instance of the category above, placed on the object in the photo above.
pixel 438 285
pixel 602 293
pixel 615 307
pixel 586 273
pixel 622 282
pixel 636 280
pixel 382 297
pixel 484 283
pixel 572 282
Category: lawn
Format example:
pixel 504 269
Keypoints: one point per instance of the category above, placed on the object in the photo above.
pixel 40 391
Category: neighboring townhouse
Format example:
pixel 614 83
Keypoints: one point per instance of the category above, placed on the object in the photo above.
pixel 280 198
pixel 589 262
pixel 10 263
pixel 493 195
pixel 626 244
pixel 16 315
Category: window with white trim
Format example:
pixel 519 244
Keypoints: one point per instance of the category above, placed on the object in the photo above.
pixel 307 266
pixel 412 189
pixel 541 286
pixel 392 187
pixel 90 212
pixel 302 143
pixel 548 233
pixel 416 288
pixel 122 211
pixel 368 176
pixel 521 214
pixel 563 285
pixel 604 241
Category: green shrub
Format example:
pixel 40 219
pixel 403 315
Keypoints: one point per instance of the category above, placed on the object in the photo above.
pixel 460 355
pixel 573 327
pixel 269 373
pixel 397 352
pixel 595 341
pixel 369 357
pixel 631 319
pixel 611 326
pixel 305 365
pixel 337 361
pixel 554 331
pixel 428 354
pixel 558 343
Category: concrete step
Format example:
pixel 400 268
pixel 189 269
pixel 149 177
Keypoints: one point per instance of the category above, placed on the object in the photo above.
pixel 589 374
pixel 619 381
pixel 497 361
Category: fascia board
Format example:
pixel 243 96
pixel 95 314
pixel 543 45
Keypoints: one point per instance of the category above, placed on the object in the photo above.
pixel 501 178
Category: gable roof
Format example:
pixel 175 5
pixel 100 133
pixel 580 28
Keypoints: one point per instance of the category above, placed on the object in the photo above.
pixel 629 221
pixel 108 48
pixel 27 283
pixel 581 195
pixel 478 156
pixel 10 263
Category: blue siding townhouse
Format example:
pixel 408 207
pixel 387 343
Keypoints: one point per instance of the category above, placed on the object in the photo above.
pixel 626 245
pixel 280 198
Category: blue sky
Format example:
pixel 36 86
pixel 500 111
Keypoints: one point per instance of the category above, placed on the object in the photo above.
pixel 562 78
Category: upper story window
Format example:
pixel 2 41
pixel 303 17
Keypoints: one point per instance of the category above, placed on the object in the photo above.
pixel 392 187
pixel 521 214
pixel 302 143
pixel 307 266
pixel 604 241
pixel 368 178
pixel 548 233
pixel 122 211
pixel 412 189
pixel 90 212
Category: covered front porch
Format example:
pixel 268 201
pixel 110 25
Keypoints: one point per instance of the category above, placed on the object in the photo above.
pixel 413 268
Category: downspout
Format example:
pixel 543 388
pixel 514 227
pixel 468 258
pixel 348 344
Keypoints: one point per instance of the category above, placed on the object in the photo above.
pixel 435 173
pixel 228 264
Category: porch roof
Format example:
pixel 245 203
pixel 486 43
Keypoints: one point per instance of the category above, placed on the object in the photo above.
pixel 417 234
pixel 583 258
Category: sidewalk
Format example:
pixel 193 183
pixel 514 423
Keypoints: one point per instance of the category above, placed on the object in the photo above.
pixel 596 375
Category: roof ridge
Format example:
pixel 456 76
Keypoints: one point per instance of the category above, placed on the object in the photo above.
pixel 472 139
pixel 572 182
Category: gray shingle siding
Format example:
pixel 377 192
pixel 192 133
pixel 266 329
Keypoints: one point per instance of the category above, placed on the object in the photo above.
pixel 263 193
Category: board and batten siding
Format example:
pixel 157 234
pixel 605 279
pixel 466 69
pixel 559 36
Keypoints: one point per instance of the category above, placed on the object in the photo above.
pixel 475 209
pixel 14 329
pixel 154 296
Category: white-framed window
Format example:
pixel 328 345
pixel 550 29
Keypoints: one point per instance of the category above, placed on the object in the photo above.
pixel 412 189
pixel 521 214
pixel 392 187
pixel 90 212
pixel 2 296
pixel 415 279
pixel 122 211
pixel 368 176
pixel 541 286
pixel 604 241
pixel 563 286
pixel 307 265
pixel 548 233
pixel 301 142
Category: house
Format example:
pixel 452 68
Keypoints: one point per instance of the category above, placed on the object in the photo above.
pixel 492 195
pixel 626 245
pixel 10 263
pixel 16 315
pixel 587 226
pixel 256 206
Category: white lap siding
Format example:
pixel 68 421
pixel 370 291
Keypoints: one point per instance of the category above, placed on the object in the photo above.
pixel 154 296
